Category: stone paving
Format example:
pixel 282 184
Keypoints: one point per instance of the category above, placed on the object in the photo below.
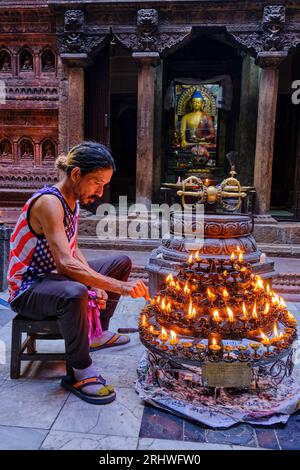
pixel 36 413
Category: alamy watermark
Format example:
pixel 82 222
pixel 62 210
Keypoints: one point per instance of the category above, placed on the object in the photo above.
pixel 296 93
pixel 137 221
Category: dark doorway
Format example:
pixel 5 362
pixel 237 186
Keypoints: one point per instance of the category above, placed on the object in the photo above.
pixel 284 174
pixel 123 145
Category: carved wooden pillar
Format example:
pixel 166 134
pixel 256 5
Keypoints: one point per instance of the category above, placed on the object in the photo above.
pixel 14 64
pixel 145 125
pixel 71 107
pixel 37 154
pixel 37 64
pixel 15 152
pixel 76 105
pixel 268 87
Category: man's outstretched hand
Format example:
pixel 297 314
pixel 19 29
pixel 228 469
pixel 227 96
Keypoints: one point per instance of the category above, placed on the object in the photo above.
pixel 135 289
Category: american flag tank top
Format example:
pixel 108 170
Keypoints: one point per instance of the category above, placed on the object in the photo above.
pixel 30 256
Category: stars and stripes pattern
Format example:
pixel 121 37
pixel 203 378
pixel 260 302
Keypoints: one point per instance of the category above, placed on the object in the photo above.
pixel 30 256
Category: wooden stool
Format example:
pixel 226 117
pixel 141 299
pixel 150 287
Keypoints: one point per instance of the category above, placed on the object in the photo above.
pixel 43 329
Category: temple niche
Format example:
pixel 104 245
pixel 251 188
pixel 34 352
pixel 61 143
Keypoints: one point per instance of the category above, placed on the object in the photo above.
pixel 5 61
pixel 48 151
pixel 26 150
pixel 26 61
pixel 48 61
pixel 194 146
pixel 5 150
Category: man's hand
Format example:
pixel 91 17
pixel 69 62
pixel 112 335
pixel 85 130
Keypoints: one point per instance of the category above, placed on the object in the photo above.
pixel 135 289
pixel 101 298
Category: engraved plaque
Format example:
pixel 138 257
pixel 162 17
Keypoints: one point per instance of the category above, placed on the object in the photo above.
pixel 223 374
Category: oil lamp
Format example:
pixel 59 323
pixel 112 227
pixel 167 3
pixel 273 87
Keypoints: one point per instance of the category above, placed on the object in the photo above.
pixel 214 343
pixel 245 313
pixel 163 338
pixel 266 342
pixel 255 347
pixel 173 340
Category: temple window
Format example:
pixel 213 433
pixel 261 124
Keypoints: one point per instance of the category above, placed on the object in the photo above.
pixel 48 61
pixel 5 150
pixel 48 151
pixel 5 61
pixel 26 150
pixel 26 61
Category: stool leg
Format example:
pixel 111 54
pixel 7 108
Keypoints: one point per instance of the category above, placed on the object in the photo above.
pixel 16 341
pixel 31 345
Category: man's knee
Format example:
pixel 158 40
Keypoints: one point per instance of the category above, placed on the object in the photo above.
pixel 125 263
pixel 76 292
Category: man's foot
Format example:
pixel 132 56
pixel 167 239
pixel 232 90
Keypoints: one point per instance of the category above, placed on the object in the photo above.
pixel 90 386
pixel 108 340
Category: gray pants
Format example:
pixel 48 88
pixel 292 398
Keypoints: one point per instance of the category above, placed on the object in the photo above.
pixel 58 296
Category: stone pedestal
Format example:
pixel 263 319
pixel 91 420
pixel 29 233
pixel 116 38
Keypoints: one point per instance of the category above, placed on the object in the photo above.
pixel 223 234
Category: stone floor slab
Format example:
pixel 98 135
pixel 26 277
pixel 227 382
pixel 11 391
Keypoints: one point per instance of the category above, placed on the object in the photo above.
pixel 30 403
pixel 120 418
pixel 15 438
pixel 62 440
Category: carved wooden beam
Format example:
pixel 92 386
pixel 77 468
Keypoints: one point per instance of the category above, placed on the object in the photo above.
pixel 271 36
pixel 149 36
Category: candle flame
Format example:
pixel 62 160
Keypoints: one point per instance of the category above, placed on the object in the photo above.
pixel 169 307
pixel 259 283
pixel 178 288
pixel 216 315
pixel 158 299
pixel 264 337
pixel 267 308
pixel 230 314
pixel 163 335
pixel 173 335
pixel 225 293
pixel 186 289
pixel 197 257
pixel 214 342
pixel 232 256
pixel 275 298
pixel 191 310
pixel 282 303
pixel 241 257
pixel 190 260
pixel 275 329
pixel 151 329
pixel 254 312
pixel 210 294
pixel 144 322
pixel 163 304
pixel 169 277
pixel 268 289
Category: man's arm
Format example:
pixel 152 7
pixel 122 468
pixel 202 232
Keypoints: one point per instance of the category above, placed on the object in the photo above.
pixel 49 212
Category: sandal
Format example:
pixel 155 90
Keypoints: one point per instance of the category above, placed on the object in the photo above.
pixel 113 341
pixel 108 395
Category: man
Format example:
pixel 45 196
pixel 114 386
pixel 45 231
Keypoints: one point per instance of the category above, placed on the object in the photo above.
pixel 49 276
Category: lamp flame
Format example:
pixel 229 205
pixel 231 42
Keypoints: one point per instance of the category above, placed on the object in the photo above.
pixel 230 314
pixel 190 260
pixel 225 293
pixel 264 338
pixel 232 256
pixel 216 315
pixel 267 308
pixel 254 312
pixel 210 294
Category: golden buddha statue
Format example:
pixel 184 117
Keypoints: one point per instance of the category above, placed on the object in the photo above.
pixel 196 127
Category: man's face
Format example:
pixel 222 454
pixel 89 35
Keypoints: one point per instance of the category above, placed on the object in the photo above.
pixel 90 186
